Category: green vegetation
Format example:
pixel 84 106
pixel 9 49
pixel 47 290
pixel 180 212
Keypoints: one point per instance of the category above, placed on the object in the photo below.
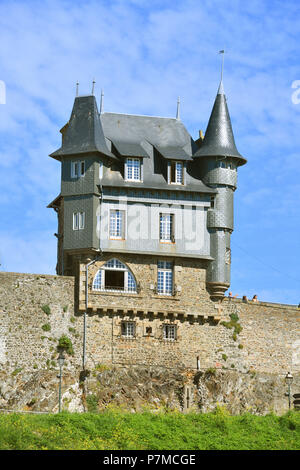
pixel 46 309
pixel 113 429
pixel 65 344
pixel 233 323
pixel 46 327
pixel 92 403
pixel 16 371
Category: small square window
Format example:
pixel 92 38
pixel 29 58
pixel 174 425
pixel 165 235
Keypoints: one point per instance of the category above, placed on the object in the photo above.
pixel 128 329
pixel 170 332
pixel 77 169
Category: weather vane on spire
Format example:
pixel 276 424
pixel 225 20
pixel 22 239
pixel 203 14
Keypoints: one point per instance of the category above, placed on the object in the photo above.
pixel 222 66
pixel 77 85
pixel 93 86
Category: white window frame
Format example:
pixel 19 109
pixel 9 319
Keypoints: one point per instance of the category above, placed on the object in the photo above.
pixel 77 168
pixel 78 220
pixel 165 278
pixel 130 285
pixel 130 174
pixel 117 224
pixel 169 332
pixel 128 329
pixel 178 181
pixel 166 227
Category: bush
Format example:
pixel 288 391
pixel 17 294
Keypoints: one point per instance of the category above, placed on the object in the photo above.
pixel 46 327
pixel 65 344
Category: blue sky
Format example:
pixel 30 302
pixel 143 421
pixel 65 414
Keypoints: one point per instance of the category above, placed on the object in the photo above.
pixel 144 54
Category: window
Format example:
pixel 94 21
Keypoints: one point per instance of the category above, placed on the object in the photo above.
pixel 170 332
pixel 176 173
pixel 77 169
pixel 78 220
pixel 100 170
pixel 133 169
pixel 117 224
pixel 165 278
pixel 212 202
pixel 114 276
pixel 128 329
pixel 228 256
pixel 166 228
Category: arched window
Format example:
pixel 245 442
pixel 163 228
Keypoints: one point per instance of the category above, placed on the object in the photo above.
pixel 114 276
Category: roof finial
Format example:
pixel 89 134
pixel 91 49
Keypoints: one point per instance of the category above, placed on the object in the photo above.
pixel 178 108
pixel 93 86
pixel 221 88
pixel 101 102
pixel 222 66
pixel 77 85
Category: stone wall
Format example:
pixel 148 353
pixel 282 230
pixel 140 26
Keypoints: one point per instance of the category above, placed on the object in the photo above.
pixel 36 310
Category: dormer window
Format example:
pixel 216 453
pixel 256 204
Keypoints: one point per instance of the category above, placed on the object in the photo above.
pixel 176 173
pixel 77 169
pixel 133 171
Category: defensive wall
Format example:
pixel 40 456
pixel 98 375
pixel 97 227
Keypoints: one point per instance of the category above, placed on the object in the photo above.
pixel 36 310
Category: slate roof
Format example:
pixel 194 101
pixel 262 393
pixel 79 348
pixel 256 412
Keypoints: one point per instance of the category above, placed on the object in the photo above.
pixel 219 139
pixel 83 133
pixel 167 135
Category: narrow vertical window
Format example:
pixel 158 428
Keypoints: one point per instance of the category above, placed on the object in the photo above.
pixel 165 277
pixel 133 169
pixel 78 220
pixel 176 173
pixel 75 221
pixel 81 220
pixel 117 224
pixel 100 170
pixel 166 228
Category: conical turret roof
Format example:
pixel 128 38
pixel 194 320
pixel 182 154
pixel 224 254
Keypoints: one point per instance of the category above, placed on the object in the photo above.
pixel 83 133
pixel 219 139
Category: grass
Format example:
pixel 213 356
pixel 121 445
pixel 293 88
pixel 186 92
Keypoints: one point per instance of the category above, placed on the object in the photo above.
pixel 117 430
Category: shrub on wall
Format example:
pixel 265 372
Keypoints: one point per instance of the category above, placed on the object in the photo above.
pixel 64 343
pixel 46 327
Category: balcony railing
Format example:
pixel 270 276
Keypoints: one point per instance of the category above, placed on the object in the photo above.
pixel 127 290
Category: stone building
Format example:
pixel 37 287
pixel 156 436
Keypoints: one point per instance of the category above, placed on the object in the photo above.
pixel 145 215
